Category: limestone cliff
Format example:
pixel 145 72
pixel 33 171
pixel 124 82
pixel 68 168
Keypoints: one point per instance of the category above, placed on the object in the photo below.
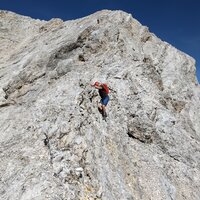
pixel 54 144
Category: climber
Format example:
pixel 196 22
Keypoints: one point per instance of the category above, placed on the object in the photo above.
pixel 103 92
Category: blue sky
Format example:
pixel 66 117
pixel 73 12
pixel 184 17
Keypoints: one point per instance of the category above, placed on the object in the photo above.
pixel 174 21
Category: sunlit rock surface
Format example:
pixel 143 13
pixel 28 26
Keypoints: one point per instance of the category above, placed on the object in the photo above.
pixel 54 144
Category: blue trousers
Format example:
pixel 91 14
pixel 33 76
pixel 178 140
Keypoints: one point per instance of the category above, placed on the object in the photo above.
pixel 104 101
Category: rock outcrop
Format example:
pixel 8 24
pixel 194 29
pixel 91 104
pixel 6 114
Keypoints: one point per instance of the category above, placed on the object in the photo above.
pixel 53 142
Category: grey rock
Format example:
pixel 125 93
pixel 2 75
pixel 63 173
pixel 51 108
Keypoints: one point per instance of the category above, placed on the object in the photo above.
pixel 53 141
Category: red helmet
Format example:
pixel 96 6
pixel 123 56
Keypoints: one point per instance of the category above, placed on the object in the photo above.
pixel 96 83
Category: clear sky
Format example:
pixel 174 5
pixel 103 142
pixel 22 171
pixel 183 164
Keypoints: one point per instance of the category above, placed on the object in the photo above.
pixel 174 21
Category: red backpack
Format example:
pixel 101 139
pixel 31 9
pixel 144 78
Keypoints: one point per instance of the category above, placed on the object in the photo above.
pixel 105 88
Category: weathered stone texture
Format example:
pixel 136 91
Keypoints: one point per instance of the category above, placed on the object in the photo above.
pixel 53 142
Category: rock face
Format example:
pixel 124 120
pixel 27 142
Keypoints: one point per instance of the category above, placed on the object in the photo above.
pixel 54 144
